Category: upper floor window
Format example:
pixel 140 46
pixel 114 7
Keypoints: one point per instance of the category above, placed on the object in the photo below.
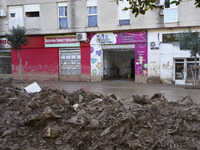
pixel 123 16
pixel 92 13
pixel 32 10
pixel 63 15
pixel 12 15
pixel 32 16
pixel 170 12
pixel 168 5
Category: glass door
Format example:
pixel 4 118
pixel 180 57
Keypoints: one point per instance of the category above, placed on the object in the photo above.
pixel 180 74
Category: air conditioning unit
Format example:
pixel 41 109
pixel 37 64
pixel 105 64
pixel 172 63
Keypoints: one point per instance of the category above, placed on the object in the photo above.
pixel 2 13
pixel 81 36
pixel 154 45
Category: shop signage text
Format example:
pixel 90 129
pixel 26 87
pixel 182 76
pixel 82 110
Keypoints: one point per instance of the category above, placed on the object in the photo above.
pixel 61 41
pixel 174 37
pixel 118 38
pixel 4 43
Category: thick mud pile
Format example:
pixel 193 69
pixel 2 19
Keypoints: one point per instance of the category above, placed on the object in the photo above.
pixel 58 120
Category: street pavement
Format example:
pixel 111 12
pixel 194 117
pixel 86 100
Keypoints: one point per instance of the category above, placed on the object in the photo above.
pixel 124 89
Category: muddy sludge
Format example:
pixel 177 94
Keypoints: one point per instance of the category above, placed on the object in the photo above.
pixel 59 120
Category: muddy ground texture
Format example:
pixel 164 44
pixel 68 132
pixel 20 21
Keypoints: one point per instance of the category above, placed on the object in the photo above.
pixel 59 120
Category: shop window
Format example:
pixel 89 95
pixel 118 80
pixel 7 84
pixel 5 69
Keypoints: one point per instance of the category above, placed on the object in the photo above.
pixel 92 16
pixel 70 62
pixel 189 71
pixel 191 62
pixel 63 16
pixel 123 16
pixel 5 62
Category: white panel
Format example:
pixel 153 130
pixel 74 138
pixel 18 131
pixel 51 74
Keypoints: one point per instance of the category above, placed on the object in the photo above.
pixel 170 15
pixel 32 23
pixel 18 19
pixel 123 14
pixel 62 4
pixel 91 3
pixel 31 8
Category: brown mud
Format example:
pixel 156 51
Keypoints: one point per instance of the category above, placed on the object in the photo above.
pixel 58 120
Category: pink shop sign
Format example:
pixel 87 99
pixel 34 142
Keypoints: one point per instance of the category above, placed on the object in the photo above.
pixel 119 38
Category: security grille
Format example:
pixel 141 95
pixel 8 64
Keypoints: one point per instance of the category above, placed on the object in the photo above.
pixel 70 62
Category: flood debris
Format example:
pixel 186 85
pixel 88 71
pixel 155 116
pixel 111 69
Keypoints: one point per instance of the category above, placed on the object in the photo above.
pixel 186 100
pixel 7 82
pixel 33 88
pixel 58 120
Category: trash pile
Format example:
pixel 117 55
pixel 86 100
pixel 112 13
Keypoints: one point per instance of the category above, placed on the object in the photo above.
pixel 58 120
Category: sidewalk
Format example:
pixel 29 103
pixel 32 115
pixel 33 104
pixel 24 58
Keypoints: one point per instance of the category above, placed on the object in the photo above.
pixel 125 89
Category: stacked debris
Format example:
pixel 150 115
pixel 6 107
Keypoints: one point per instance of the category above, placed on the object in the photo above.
pixel 58 120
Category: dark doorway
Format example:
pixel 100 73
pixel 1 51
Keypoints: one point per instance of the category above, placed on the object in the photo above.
pixel 118 64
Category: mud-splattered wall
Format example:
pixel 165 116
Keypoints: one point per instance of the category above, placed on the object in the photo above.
pixel 38 63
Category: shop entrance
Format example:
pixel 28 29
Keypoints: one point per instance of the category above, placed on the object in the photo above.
pixel 118 62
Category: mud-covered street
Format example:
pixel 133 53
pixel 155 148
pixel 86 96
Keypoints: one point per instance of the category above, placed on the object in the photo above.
pixel 125 89
pixel 86 119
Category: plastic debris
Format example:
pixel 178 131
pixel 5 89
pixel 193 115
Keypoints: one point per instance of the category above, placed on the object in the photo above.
pixel 33 88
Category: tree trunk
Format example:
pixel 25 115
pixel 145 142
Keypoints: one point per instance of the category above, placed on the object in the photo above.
pixel 20 66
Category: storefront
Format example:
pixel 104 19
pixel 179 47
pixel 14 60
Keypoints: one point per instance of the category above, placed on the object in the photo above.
pixel 74 57
pixel 38 62
pixel 5 57
pixel 119 55
pixel 167 62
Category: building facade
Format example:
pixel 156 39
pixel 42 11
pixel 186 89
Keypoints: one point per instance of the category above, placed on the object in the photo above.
pixel 93 40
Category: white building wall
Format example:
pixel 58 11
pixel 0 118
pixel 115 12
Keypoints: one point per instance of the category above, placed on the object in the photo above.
pixel 17 18
pixel 153 57
pixel 188 16
pixel 161 60
pixel 166 63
